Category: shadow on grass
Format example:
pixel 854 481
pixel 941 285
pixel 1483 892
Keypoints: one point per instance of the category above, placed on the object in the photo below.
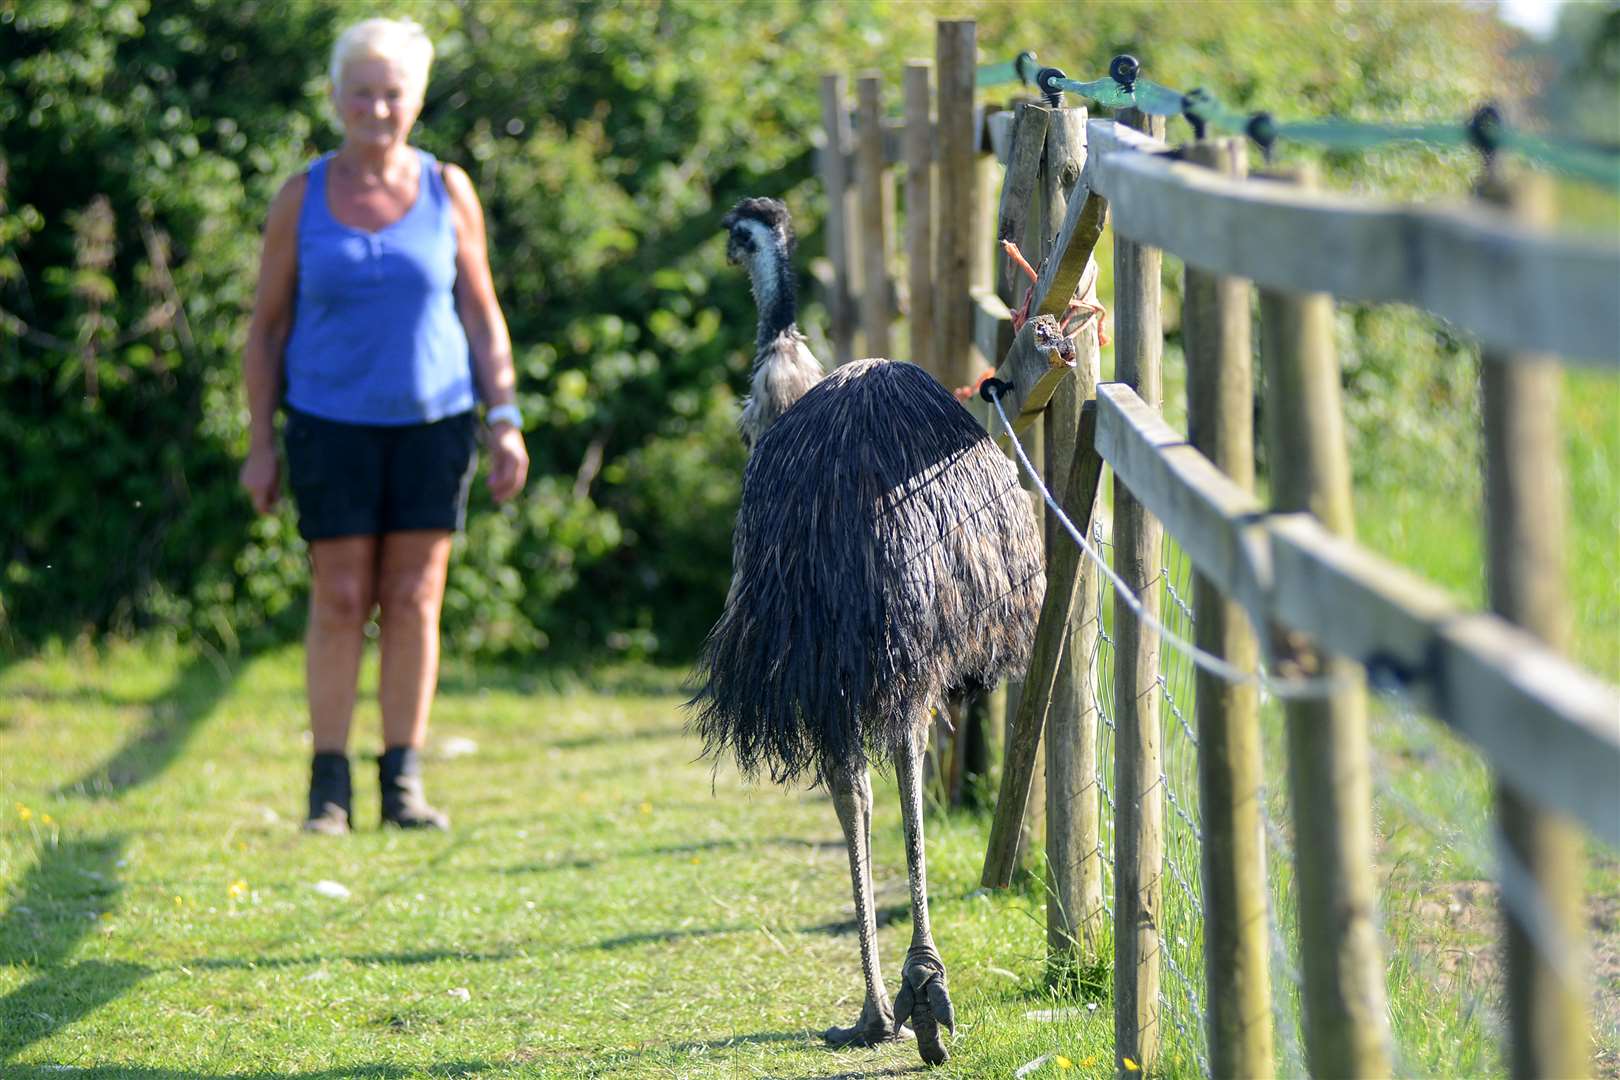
pixel 385 959
pixel 891 913
pixel 651 937
pixel 173 717
pixel 564 678
pixel 343 1072
pixel 47 914
pixel 669 850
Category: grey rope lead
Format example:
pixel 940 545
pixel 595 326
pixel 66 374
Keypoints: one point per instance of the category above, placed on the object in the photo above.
pixel 1315 687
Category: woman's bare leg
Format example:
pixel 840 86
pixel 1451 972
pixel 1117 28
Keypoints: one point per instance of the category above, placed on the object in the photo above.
pixel 341 597
pixel 410 589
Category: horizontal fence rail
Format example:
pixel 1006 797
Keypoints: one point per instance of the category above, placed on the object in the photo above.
pixel 1509 286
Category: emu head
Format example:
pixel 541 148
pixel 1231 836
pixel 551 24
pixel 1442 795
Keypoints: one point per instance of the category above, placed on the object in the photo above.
pixel 757 226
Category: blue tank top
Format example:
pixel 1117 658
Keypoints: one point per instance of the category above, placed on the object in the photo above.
pixel 376 338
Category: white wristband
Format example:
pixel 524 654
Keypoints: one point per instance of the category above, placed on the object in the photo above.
pixel 508 412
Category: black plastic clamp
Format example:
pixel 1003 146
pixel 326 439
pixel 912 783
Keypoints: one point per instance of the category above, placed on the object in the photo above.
pixel 993 389
pixel 1124 69
pixel 1046 82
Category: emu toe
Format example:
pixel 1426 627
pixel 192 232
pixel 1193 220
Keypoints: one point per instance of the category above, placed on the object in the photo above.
pixel 875 1025
pixel 924 1003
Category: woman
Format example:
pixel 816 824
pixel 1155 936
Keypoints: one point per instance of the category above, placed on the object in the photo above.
pixel 376 326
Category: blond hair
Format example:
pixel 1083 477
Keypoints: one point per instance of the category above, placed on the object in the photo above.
pixel 402 41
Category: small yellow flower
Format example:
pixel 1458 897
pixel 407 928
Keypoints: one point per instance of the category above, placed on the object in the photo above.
pixel 237 888
pixel 23 812
pixel 46 819
pixel 179 901
pixel 1088 1062
pixel 1063 1062
pixel 646 808
pixel 241 845
pixel 696 860
pixel 1131 1066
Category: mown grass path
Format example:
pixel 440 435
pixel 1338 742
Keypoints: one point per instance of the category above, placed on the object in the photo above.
pixel 606 905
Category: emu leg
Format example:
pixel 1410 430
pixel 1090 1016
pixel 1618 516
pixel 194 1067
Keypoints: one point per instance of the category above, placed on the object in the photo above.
pixel 922 1000
pixel 852 797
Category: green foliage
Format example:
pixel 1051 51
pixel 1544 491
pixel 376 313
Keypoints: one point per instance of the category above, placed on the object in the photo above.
pixel 605 140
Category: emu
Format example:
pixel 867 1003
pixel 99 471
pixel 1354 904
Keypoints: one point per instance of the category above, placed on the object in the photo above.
pixel 884 558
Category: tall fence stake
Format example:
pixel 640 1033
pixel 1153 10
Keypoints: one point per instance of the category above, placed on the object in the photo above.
pixel 835 177
pixel 1139 797
pixel 1220 424
pixel 919 149
pixel 955 64
pixel 1346 1016
pixel 1548 1029
pixel 1074 873
pixel 876 211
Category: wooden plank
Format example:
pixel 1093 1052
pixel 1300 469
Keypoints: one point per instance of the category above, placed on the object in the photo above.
pixel 954 62
pixel 874 197
pixel 1329 767
pixel 1018 190
pixel 1231 779
pixel 835 179
pixel 1214 520
pixel 920 215
pixel 1024 735
pixel 1532 713
pixel 1511 286
pixel 1549 1030
pixel 1138 556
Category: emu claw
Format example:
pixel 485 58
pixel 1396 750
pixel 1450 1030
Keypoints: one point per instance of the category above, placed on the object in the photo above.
pixel 925 1004
pixel 872 1028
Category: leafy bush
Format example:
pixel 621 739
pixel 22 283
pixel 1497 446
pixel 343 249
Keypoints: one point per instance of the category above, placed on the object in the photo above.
pixel 140 144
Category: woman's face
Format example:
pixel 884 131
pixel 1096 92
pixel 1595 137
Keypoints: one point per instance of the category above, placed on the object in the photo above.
pixel 376 102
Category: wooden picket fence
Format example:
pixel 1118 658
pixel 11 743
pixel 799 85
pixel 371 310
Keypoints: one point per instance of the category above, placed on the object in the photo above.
pixel 1285 581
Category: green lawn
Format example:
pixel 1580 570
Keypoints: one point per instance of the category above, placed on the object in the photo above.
pixel 604 907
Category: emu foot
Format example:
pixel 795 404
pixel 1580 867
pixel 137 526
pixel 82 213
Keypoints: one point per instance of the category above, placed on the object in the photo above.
pixel 875 1025
pixel 923 1002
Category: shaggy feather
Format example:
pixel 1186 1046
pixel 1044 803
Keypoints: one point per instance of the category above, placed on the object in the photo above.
pixel 884 555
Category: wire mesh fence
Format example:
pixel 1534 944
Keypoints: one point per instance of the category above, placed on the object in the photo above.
pixel 1437 864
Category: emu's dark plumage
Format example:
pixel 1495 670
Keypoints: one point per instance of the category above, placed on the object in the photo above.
pixel 884 555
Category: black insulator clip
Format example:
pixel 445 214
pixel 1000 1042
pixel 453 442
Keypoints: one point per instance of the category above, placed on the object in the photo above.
pixel 1263 130
pixel 1485 130
pixel 1024 64
pixel 1190 103
pixel 993 389
pixel 1124 69
pixel 1046 82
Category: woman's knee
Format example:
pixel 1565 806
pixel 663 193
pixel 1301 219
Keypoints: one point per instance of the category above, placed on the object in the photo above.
pixel 411 593
pixel 341 599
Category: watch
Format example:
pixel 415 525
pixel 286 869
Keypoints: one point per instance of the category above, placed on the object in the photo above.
pixel 508 412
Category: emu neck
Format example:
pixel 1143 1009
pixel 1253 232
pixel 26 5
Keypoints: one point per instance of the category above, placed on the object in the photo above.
pixel 772 278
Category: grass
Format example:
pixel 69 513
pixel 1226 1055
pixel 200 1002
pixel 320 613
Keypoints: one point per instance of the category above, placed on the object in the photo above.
pixel 604 907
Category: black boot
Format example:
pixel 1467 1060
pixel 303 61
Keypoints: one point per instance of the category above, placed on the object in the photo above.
pixel 403 803
pixel 330 795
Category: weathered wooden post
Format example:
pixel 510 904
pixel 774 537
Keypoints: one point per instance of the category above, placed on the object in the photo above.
pixel 1019 220
pixel 1220 423
pixel 1346 1016
pixel 1138 795
pixel 1074 872
pixel 919 151
pixel 954 63
pixel 876 210
pixel 1548 1028
pixel 835 178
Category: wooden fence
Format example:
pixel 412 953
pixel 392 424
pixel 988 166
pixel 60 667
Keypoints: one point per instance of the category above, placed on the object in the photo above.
pixel 1284 580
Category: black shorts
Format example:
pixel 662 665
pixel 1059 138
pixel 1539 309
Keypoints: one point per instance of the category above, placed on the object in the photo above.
pixel 366 479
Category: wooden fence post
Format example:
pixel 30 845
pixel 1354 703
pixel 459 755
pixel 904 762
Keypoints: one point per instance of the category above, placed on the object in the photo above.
pixel 919 149
pixel 835 178
pixel 1019 220
pixel 954 63
pixel 1074 872
pixel 1138 795
pixel 875 212
pixel 1346 1015
pixel 1548 1028
pixel 1220 425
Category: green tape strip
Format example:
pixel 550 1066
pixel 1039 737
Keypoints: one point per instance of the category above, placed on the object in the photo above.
pixel 997 74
